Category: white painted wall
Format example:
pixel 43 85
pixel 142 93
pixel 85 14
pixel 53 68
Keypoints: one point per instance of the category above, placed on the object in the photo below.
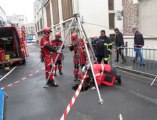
pixel 20 19
pixel 2 13
pixel 94 11
pixel 118 7
pixel 148 17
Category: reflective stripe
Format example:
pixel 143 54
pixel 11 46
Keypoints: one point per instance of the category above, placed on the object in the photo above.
pixel 109 44
pixel 46 42
pixel 102 67
pixel 50 72
pixel 98 75
pixel 109 49
pixel 106 59
pixel 105 44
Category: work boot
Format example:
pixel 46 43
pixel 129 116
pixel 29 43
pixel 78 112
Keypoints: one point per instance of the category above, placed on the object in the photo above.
pixel 49 82
pixel 134 60
pixel 76 79
pixel 142 64
pixel 55 73
pixel 116 60
pixel 124 61
pixel 54 84
pixel 60 72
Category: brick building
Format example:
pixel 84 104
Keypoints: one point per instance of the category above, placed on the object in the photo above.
pixel 142 14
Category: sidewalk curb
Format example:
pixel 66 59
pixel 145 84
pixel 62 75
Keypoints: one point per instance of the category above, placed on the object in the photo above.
pixel 137 72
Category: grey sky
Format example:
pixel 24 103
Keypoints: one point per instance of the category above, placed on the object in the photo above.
pixel 19 7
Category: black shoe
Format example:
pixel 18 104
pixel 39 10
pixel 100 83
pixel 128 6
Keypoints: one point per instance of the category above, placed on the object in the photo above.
pixel 60 72
pixel 119 79
pixel 49 82
pixel 55 85
pixel 55 74
pixel 76 80
pixel 116 60
pixel 124 61
pixel 134 60
pixel 142 64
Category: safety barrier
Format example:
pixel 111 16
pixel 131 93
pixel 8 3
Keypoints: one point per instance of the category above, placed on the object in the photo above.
pixel 149 56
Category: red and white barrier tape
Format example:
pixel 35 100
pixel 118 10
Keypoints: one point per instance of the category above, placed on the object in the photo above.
pixel 73 98
pixel 24 78
pixel 1 79
pixel 72 101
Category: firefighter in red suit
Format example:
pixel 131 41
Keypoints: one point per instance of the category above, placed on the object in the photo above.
pixel 46 56
pixel 57 43
pixel 79 54
pixel 104 73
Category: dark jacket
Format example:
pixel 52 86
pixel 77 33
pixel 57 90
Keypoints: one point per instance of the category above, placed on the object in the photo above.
pixel 101 49
pixel 138 39
pixel 119 41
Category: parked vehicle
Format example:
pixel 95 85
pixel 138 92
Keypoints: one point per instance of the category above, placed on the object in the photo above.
pixel 12 46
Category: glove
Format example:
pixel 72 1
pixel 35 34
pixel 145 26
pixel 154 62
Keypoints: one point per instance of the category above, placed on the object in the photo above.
pixel 71 48
pixel 59 52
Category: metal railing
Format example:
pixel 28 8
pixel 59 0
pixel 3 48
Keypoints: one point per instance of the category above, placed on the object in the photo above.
pixel 149 56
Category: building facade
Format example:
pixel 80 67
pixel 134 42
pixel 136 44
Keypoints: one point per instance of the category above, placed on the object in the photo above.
pixel 105 14
pixel 17 19
pixel 141 14
pixel 148 17
pixel 130 15
pixel 30 30
pixel 39 16
pixel 2 17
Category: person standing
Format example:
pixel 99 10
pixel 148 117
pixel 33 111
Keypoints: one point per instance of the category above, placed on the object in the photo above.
pixel 119 43
pixel 103 48
pixel 79 54
pixel 46 56
pixel 57 43
pixel 138 44
pixel 94 42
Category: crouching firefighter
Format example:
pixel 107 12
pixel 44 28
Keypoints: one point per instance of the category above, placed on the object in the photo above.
pixel 46 56
pixel 104 73
pixel 57 43
pixel 79 58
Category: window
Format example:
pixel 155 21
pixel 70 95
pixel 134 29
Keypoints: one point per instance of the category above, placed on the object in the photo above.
pixel 55 11
pixel 21 19
pixel 41 23
pixel 67 9
pixel 111 20
pixel 111 4
pixel 112 36
pixel 48 15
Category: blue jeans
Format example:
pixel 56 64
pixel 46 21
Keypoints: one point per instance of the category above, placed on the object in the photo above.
pixel 138 53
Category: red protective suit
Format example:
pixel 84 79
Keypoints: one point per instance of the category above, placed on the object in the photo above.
pixel 79 56
pixel 103 74
pixel 57 44
pixel 47 57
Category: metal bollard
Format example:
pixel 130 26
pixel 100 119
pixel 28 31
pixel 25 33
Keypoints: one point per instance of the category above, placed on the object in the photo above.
pixel 126 49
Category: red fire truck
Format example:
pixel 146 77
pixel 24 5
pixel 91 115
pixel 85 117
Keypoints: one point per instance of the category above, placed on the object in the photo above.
pixel 12 46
